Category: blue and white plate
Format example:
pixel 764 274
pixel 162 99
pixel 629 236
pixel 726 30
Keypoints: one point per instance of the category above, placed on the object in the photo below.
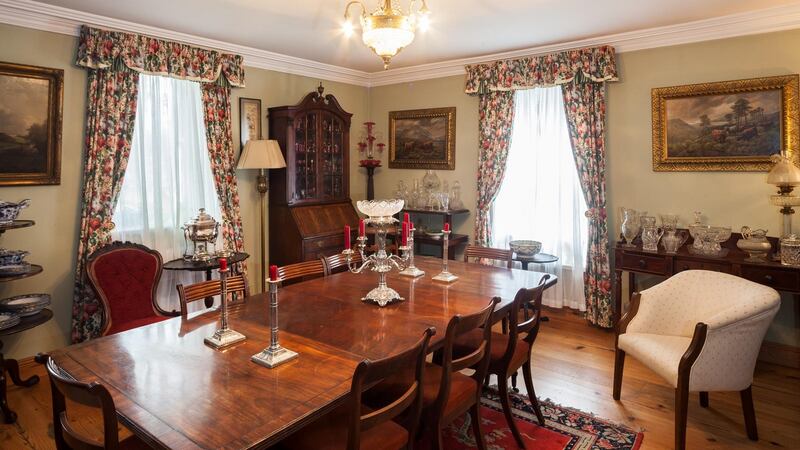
pixel 8 320
pixel 25 305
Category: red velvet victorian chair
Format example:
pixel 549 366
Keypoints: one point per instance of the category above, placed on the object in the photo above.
pixel 125 277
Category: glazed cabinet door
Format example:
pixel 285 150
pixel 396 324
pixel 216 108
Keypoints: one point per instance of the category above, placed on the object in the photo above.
pixel 332 157
pixel 305 157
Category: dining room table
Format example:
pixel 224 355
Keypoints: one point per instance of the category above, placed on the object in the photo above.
pixel 173 391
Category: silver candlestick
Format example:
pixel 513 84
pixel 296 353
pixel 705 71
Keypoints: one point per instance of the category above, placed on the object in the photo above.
pixel 224 337
pixel 274 355
pixel 445 274
pixel 411 270
pixel 380 214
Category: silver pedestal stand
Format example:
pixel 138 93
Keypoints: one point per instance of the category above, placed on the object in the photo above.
pixel 224 337
pixel 380 262
pixel 274 355
pixel 411 270
pixel 445 274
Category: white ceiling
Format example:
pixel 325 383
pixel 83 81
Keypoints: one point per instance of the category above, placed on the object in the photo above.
pixel 311 29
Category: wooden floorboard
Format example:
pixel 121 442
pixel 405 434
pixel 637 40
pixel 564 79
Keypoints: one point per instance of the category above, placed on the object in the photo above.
pixel 573 366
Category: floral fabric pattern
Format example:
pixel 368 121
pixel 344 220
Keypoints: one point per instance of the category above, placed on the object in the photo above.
pixel 109 128
pixel 217 112
pixel 582 73
pixel 496 111
pixel 104 49
pixel 589 64
pixel 585 105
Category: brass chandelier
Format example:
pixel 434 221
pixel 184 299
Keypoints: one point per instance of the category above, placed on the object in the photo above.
pixel 387 30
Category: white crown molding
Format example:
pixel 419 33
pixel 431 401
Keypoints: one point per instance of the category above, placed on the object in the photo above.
pixel 41 16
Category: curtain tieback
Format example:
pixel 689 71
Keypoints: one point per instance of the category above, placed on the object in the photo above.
pixel 595 213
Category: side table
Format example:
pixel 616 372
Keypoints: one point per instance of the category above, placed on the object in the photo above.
pixel 204 266
pixel 539 258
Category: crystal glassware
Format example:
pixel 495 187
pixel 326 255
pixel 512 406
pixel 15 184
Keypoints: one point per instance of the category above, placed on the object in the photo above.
pixel 673 241
pixel 455 196
pixel 630 226
pixel 669 222
pixel 790 251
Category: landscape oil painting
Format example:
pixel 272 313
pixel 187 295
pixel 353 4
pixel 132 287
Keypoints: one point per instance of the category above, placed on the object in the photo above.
pixel 30 124
pixel 422 139
pixel 734 125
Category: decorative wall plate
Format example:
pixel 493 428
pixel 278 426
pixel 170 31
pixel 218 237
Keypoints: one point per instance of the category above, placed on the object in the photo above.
pixel 25 305
pixel 15 269
pixel 8 320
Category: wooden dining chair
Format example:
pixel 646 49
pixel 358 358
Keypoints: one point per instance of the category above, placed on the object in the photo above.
pixel 511 351
pixel 338 262
pixel 497 254
pixel 94 395
pixel 236 284
pixel 355 426
pixel 297 272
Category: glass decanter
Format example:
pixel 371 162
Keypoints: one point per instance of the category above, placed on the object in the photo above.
pixel 630 226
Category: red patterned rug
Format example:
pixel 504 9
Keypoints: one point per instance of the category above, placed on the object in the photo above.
pixel 564 429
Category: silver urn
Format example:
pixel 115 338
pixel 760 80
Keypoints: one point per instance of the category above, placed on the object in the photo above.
pixel 200 231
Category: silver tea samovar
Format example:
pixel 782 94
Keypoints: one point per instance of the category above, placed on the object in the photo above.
pixel 201 231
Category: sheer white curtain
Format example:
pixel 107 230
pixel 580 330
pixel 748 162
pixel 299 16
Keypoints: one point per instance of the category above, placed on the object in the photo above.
pixel 168 178
pixel 541 197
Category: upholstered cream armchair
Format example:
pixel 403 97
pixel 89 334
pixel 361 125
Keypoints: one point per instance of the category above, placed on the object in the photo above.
pixel 701 331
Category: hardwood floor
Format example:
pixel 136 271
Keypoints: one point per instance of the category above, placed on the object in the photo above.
pixel 573 366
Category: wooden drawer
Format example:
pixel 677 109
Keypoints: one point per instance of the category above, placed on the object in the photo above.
pixel 779 279
pixel 325 242
pixel 644 263
pixel 690 264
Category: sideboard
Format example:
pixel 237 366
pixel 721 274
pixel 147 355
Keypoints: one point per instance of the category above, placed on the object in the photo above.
pixel 637 261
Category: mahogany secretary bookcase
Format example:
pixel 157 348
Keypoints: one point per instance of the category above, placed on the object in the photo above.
pixel 309 200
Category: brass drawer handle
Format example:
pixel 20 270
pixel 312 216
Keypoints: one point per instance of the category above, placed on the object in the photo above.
pixel 319 244
pixel 642 263
pixel 768 278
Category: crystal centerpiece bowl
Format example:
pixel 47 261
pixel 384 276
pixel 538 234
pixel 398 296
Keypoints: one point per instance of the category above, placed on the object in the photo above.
pixel 525 247
pixel 380 211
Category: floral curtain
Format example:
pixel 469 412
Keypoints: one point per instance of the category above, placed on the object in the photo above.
pixel 104 49
pixel 496 111
pixel 109 127
pixel 582 73
pixel 585 105
pixel 114 60
pixel 217 112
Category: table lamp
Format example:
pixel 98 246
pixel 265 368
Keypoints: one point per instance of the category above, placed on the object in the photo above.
pixel 262 154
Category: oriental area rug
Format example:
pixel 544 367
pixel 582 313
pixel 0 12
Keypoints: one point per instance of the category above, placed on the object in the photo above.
pixel 564 429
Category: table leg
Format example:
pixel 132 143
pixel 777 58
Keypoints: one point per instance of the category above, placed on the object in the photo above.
pixel 617 296
pixel 12 367
pixel 209 301
pixel 524 265
pixel 631 284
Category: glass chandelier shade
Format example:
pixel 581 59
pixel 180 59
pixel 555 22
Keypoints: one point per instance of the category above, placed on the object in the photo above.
pixel 388 30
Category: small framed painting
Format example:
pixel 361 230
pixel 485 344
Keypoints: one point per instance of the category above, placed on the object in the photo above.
pixel 249 119
pixel 423 139
pixel 31 101
pixel 725 126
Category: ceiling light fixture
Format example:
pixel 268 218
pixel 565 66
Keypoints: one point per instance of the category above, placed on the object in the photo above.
pixel 387 30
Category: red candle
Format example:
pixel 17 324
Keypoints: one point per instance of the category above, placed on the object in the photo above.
pixel 347 237
pixel 404 240
pixel 406 218
pixel 361 229
pixel 223 264
pixel 410 226
pixel 273 272
pixel 446 226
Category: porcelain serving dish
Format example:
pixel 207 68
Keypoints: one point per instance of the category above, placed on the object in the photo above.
pixel 10 210
pixel 15 269
pixel 8 320
pixel 12 257
pixel 525 247
pixel 25 305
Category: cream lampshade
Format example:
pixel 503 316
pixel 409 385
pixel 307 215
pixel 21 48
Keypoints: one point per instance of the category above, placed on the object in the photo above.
pixel 262 154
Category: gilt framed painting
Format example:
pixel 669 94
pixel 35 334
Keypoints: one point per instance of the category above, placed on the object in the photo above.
pixel 31 100
pixel 249 119
pixel 423 139
pixel 725 126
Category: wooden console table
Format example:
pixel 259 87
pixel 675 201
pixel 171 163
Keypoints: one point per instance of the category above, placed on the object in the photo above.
pixel 455 241
pixel 635 260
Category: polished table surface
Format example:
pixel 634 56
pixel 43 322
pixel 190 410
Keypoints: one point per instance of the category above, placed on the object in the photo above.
pixel 175 392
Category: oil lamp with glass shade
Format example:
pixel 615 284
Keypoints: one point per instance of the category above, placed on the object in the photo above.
pixel 785 175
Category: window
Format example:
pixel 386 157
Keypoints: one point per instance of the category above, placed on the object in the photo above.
pixel 541 197
pixel 168 178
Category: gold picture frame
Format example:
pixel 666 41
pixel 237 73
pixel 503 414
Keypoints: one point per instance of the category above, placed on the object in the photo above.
pixel 30 129
pixel 714 127
pixel 423 139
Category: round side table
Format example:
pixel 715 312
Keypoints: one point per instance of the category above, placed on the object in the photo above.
pixel 539 258
pixel 204 266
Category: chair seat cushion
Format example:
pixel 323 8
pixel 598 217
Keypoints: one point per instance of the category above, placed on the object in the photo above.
pixel 468 342
pixel 662 354
pixel 463 391
pixel 119 327
pixel 330 433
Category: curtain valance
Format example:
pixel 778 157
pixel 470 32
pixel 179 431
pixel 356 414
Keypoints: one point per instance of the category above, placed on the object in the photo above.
pixel 595 64
pixel 105 49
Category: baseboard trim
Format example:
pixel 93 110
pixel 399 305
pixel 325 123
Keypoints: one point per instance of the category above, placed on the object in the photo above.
pixel 780 354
